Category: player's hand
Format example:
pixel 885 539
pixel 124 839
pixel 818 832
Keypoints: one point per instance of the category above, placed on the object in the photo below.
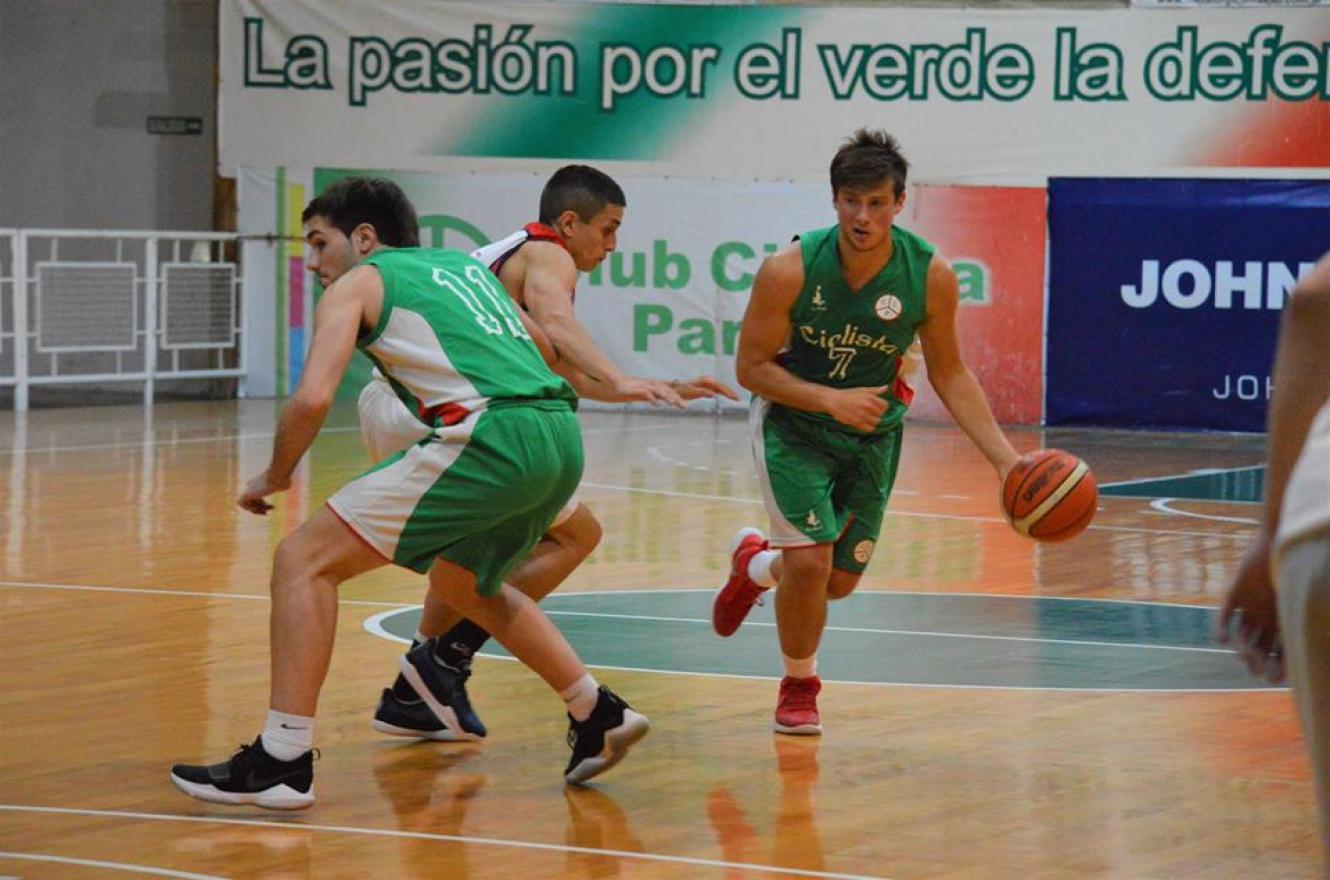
pixel 648 390
pixel 703 386
pixel 1249 618
pixel 258 489
pixel 859 408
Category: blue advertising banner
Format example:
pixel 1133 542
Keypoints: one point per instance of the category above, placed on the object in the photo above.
pixel 1165 296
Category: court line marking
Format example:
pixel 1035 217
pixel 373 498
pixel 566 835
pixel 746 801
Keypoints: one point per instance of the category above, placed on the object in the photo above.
pixel 114 866
pixel 986 519
pixel 374 627
pixel 173 441
pixel 1162 504
pixel 616 592
pixel 854 629
pixel 165 441
pixel 1199 472
pixel 149 591
pixel 442 838
pixel 902 632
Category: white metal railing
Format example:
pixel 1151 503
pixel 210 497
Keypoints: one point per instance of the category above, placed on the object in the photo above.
pixel 82 306
pixel 8 306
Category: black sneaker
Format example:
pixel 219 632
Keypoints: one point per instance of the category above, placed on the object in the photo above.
pixel 443 689
pixel 603 739
pixel 252 776
pixel 397 717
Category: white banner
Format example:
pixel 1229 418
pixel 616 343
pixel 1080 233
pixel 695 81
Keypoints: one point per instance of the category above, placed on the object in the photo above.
pixel 1005 96
pixel 668 302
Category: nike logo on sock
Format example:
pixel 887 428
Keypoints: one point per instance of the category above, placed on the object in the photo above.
pixel 286 726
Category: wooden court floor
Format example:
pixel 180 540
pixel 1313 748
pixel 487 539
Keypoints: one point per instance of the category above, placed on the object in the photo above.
pixel 993 709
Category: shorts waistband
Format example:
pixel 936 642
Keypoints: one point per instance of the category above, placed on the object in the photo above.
pixel 542 403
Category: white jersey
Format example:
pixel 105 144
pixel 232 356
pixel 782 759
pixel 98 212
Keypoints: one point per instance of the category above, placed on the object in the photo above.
pixel 1307 496
pixel 496 253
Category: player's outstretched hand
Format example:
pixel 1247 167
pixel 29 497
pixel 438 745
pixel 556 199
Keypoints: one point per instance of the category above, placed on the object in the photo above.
pixel 1249 618
pixel 258 489
pixel 649 390
pixel 859 408
pixel 703 386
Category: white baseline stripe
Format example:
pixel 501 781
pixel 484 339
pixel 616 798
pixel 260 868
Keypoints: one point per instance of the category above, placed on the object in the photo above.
pixel 114 866
pixel 987 519
pixel 164 441
pixel 444 838
pixel 1021 596
pixel 173 441
pixel 1199 472
pixel 1162 504
pixel 154 592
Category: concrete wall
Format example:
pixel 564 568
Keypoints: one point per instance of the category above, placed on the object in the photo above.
pixel 78 79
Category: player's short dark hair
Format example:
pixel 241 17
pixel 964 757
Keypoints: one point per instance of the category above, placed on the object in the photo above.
pixel 868 159
pixel 581 189
pixel 381 203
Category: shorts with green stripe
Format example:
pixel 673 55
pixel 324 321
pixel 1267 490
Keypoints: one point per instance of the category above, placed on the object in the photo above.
pixel 823 482
pixel 480 493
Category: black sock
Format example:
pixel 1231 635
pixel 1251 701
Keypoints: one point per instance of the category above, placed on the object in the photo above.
pixel 402 689
pixel 458 645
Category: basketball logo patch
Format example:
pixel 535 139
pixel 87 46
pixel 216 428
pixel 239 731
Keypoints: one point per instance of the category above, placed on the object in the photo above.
pixel 889 307
pixel 863 551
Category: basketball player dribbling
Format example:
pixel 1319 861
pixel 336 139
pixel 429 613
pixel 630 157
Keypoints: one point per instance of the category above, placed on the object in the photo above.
pixel 823 349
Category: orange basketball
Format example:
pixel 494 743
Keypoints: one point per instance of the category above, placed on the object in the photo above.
pixel 1049 495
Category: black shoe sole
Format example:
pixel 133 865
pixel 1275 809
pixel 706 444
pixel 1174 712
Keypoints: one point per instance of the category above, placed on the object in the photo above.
pixel 279 797
pixel 617 742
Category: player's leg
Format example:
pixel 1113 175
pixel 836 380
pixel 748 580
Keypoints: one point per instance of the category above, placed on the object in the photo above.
pixel 794 475
pixel 572 537
pixel 862 492
pixel 1304 620
pixel 308 567
pixel 527 464
pixel 560 550
pixel 276 771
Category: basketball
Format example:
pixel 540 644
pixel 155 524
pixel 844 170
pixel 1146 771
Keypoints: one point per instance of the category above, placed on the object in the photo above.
pixel 1049 495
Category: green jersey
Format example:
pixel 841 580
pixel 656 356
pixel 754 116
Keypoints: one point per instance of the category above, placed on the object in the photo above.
pixel 449 340
pixel 847 339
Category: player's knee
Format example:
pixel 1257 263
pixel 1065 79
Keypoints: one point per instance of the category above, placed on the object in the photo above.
pixel 842 583
pixel 589 531
pixel 291 559
pixel 806 566
pixel 581 532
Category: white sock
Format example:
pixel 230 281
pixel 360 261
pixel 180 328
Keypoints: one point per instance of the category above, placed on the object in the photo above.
pixel 759 568
pixel 287 736
pixel 581 696
pixel 805 668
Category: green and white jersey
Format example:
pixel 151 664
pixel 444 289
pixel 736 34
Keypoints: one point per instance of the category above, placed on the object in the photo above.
pixel 449 340
pixel 848 339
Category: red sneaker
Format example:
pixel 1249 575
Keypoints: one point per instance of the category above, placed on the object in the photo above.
pixel 796 710
pixel 740 594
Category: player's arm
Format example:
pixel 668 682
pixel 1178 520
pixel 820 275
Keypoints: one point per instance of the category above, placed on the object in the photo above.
pixel 547 292
pixel 955 385
pixel 589 387
pixel 766 330
pixel 542 341
pixel 1302 386
pixel 337 321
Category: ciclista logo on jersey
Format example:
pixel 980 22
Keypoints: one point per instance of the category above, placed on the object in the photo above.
pixel 850 335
